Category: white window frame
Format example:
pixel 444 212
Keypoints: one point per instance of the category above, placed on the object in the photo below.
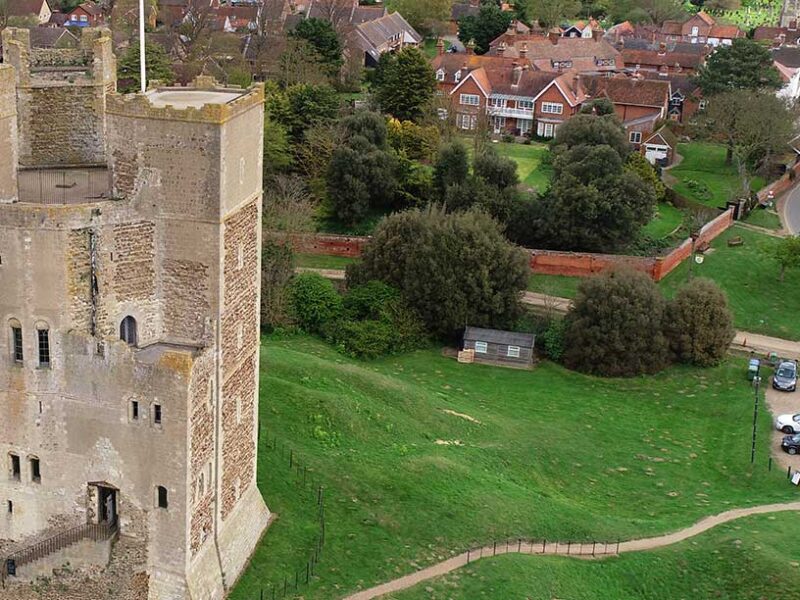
pixel 525 105
pixel 440 75
pixel 467 99
pixel 525 125
pixel 498 102
pixel 481 347
pixel 512 352
pixel 457 76
pixel 545 130
pixel 552 108
pixel 635 137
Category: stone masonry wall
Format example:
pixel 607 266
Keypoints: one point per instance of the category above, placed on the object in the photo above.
pixel 240 329
pixel 202 451
pixel 79 278
pixel 134 272
pixel 60 125
pixel 185 283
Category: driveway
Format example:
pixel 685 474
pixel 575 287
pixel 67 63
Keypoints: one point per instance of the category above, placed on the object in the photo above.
pixel 780 403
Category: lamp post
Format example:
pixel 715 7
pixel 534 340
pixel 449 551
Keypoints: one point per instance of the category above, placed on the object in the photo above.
pixel 756 382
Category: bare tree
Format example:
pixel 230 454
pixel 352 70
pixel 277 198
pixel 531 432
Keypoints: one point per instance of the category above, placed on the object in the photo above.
pixel 288 205
pixel 338 12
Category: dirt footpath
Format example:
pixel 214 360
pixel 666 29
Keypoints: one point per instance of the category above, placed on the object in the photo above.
pixel 780 403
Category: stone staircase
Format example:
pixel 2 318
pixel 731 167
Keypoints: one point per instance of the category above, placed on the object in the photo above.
pixel 87 544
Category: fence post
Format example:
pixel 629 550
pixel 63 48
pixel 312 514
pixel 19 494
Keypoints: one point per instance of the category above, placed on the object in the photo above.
pixel 569 545
pixel 544 543
pixel 494 549
pixel 617 545
pixel 593 543
pixel 467 555
pixel 770 464
pixel 789 472
pixel 519 545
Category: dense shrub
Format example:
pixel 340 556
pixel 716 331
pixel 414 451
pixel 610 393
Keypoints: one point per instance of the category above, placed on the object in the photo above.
pixel 495 169
pixel 452 165
pixel 615 326
pixel 314 301
pixel 369 301
pixel 699 324
pixel 553 339
pixel 276 271
pixel 453 269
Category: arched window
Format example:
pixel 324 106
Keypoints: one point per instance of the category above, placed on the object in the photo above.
pixel 161 497
pixel 43 343
pixel 127 330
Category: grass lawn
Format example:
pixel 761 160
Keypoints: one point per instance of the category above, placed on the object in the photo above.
pixel 760 303
pixel 429 47
pixel 532 174
pixel 667 220
pixel 554 285
pixel 322 261
pixel 749 559
pixel 704 177
pixel 764 217
pixel 546 453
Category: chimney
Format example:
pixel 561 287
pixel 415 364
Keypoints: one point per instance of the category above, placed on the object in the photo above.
pixel 662 49
pixel 516 75
pixel 440 46
pixel 470 46
pixel 576 84
pixel 553 35
pixel 501 48
pixel 793 25
pixel 596 35
pixel 523 49
pixel 512 27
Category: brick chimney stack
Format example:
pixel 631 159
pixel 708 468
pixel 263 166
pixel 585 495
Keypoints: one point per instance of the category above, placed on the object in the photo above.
pixel 440 46
pixel 501 48
pixel 523 50
pixel 516 75
pixel 553 35
pixel 470 46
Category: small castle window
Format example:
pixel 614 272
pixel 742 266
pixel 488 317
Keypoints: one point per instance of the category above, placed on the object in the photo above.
pixel 127 331
pixel 10 507
pixel 134 410
pixel 16 341
pixel 15 466
pixel 43 338
pixel 157 414
pixel 36 473
pixel 161 497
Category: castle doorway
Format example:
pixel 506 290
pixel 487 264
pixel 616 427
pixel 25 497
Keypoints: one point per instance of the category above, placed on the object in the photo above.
pixel 105 506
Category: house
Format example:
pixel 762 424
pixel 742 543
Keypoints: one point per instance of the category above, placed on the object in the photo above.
pixel 582 29
pixel 700 28
pixel 50 37
pixel 389 33
pixel 638 102
pixel 559 54
pixel 344 14
pixel 659 147
pixel 496 346
pixel 87 14
pixel 172 12
pixel 514 97
pixel 685 96
pixel 778 36
pixel 663 57
pixel 787 60
pixel 39 9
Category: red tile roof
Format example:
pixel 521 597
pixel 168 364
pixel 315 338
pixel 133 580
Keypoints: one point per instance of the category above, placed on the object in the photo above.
pixel 656 58
pixel 629 90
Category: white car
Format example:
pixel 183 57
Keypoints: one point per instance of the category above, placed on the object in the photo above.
pixel 788 423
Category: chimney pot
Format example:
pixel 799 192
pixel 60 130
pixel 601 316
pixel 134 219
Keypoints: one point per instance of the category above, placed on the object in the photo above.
pixel 554 34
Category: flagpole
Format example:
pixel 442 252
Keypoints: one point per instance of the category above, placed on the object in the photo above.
pixel 142 66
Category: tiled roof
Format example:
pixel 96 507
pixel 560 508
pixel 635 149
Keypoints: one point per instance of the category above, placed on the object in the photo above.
pixel 23 8
pixel 372 35
pixel 663 134
pixel 707 18
pixel 726 32
pixel 672 28
pixel 496 336
pixel 629 90
pixel 656 58
pixel 787 56
pixel 583 53
pixel 765 33
pixel 49 37
pixel 647 43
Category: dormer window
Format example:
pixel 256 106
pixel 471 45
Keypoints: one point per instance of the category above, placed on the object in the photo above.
pixel 440 75
pixel 457 76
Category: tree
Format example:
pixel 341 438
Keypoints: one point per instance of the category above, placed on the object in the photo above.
pixel 427 17
pixel 301 106
pixel 594 204
pixel 276 271
pixel 592 130
pixel 645 11
pixel 482 28
pixel 288 205
pixel 158 67
pixel 405 84
pixel 699 324
pixel 496 170
pixel 452 165
pixel 478 193
pixel 322 36
pixel 755 127
pixel 615 326
pixel 277 150
pixel 550 13
pixel 743 65
pixel 599 107
pixel 786 253
pixel 638 164
pixel 418 142
pixel 453 269
pixel 314 301
pixel 367 124
pixel 361 176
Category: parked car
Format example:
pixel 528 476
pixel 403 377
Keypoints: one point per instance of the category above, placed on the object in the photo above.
pixel 785 378
pixel 791 443
pixel 788 423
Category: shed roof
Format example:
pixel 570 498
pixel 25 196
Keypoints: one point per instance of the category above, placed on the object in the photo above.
pixel 497 336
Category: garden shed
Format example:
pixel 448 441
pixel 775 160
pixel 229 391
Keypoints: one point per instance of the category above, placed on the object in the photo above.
pixel 496 346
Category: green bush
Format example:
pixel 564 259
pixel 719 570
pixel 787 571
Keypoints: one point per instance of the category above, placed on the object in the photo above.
pixel 314 301
pixel 369 301
pixel 553 339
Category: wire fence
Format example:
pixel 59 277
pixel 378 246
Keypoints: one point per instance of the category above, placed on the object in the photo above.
pixel 305 478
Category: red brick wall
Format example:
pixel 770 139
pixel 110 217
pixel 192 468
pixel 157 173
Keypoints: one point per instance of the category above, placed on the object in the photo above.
pixel 332 245
pixel 553 94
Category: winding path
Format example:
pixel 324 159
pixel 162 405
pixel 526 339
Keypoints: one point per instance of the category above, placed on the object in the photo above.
pixel 583 550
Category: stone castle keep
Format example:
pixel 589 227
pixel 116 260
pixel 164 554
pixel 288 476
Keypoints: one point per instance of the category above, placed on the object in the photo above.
pixel 130 235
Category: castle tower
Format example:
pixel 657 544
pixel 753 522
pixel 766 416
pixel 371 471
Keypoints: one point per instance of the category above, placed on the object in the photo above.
pixel 130 379
pixel 61 97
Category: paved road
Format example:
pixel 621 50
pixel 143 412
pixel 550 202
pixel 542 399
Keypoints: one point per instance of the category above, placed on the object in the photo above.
pixel 791 210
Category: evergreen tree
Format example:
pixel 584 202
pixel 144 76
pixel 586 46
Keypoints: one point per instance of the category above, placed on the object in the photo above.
pixel 158 67
pixel 405 84
pixel 452 165
pixel 744 65
pixel 324 39
pixel 482 28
